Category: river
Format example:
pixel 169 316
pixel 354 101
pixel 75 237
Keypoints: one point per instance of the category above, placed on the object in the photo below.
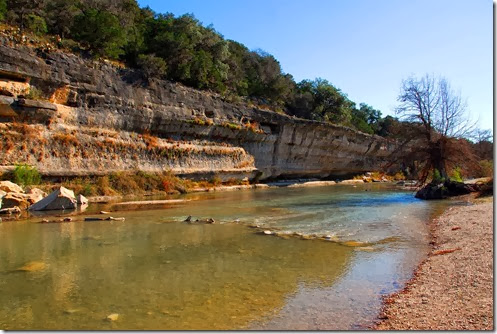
pixel 157 272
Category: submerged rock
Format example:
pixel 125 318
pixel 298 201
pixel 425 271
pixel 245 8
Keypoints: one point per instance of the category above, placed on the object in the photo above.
pixel 353 243
pixel 60 199
pixel 32 266
pixel 9 211
pixel 199 221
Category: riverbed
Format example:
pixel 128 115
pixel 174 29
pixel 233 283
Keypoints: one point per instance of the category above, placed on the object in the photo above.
pixel 157 272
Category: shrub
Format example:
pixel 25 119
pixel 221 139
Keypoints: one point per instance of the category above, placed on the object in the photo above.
pixel 232 126
pixel 437 178
pixel 152 66
pixel 456 175
pixel 26 175
pixel 123 183
pixel 36 24
pixel 34 93
pixel 70 44
pixel 216 180
pixel 486 168
pixel 103 184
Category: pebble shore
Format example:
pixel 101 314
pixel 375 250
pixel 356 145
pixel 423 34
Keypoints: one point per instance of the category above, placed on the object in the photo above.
pixel 453 288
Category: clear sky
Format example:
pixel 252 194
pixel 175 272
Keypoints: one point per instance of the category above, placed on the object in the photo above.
pixel 364 47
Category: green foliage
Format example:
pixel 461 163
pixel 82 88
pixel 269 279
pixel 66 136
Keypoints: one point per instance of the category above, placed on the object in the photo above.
pixel 437 177
pixel 36 24
pixel 60 15
pixel 183 50
pixel 34 93
pixel 456 175
pixel 366 119
pixel 152 66
pixel 100 31
pixel 3 9
pixel 70 44
pixel 319 100
pixel 26 175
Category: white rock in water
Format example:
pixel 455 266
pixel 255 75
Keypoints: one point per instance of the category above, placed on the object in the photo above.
pixel 112 317
pixel 60 199
pixel 82 199
pixel 268 232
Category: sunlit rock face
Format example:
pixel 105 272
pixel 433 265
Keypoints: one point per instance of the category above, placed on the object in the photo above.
pixel 79 96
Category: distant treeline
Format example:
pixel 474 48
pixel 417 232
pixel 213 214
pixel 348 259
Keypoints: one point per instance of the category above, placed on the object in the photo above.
pixel 183 50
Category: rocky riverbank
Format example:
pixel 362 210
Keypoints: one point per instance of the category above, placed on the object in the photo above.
pixel 453 288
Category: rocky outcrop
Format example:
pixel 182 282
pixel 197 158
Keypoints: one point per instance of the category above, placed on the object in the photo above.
pixel 60 199
pixel 445 190
pixel 10 187
pixel 226 138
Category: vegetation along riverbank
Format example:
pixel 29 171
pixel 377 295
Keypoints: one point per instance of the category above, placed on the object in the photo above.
pixel 113 104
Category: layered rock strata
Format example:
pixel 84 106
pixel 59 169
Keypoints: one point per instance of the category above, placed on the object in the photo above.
pixel 97 117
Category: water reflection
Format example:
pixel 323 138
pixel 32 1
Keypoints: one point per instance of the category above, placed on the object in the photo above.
pixel 159 273
pixel 156 276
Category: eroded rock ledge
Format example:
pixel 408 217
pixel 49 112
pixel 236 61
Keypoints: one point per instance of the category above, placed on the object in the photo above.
pixel 99 118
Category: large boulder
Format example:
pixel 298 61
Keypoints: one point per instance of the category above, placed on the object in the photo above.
pixel 34 195
pixel 60 199
pixel 15 199
pixel 445 190
pixel 2 194
pixel 10 187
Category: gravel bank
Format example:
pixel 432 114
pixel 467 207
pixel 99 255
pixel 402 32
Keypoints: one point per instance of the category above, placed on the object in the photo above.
pixel 453 287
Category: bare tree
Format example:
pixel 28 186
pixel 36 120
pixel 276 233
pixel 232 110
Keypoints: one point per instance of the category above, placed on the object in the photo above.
pixel 439 116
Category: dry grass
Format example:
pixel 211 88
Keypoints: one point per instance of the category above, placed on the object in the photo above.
pixel 66 139
pixel 126 183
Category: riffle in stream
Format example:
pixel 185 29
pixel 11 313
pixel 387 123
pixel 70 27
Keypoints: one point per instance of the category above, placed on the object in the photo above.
pixel 157 272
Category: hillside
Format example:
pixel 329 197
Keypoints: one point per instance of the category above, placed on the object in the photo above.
pixel 71 116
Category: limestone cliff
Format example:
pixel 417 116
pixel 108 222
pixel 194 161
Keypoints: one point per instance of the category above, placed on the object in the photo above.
pixel 94 117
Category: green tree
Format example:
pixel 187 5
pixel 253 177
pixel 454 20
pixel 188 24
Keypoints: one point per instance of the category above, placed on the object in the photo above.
pixel 319 100
pixel 60 15
pixel 36 24
pixel 26 175
pixel 152 66
pixel 19 10
pixel 3 9
pixel 366 118
pixel 100 31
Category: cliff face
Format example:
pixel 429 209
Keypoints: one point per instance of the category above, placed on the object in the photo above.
pixel 99 117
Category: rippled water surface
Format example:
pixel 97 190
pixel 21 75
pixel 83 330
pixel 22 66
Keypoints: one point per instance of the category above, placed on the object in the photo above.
pixel 158 272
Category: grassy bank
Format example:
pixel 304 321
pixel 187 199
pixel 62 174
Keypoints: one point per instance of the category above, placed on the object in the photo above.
pixel 116 183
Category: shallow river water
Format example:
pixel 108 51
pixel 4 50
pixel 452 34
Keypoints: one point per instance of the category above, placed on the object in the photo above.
pixel 157 272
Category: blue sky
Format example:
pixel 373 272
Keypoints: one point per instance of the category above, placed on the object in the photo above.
pixel 364 47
